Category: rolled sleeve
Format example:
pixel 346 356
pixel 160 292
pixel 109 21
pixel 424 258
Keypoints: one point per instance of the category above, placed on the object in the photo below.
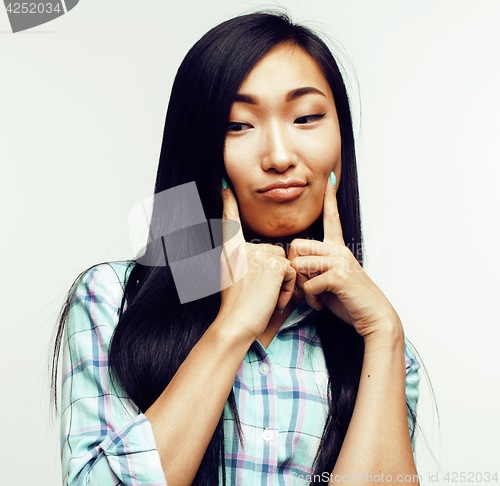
pixel 105 439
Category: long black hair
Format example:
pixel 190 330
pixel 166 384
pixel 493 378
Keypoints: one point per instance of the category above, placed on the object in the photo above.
pixel 155 332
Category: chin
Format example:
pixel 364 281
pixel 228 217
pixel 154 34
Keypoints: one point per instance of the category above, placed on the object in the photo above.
pixel 274 232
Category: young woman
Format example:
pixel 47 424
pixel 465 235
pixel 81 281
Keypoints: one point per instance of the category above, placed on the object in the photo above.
pixel 296 373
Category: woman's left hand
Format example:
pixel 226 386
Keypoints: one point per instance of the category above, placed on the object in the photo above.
pixel 330 275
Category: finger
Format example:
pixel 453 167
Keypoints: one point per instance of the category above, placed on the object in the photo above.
pixel 287 287
pixel 331 218
pixel 233 242
pixel 310 268
pixel 272 249
pixel 300 281
pixel 321 290
pixel 301 247
pixel 230 212
pixel 315 288
pixel 313 265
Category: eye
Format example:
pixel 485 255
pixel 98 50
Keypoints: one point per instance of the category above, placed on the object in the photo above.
pixel 237 127
pixel 309 118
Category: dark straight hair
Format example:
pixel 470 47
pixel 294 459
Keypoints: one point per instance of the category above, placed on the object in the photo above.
pixel 155 332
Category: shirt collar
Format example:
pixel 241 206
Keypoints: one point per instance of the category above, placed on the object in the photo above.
pixel 302 311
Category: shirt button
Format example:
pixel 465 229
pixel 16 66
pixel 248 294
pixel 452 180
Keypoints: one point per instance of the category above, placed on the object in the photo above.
pixel 267 435
pixel 264 369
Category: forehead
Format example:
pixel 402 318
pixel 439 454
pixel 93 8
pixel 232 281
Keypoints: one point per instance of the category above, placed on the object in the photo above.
pixel 284 68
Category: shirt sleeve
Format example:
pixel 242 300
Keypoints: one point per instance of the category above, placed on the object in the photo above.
pixel 105 440
pixel 412 382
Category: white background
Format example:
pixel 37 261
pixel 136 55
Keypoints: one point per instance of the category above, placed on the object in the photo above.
pixel 82 106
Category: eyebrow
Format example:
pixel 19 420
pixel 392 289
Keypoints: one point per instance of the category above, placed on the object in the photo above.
pixel 290 96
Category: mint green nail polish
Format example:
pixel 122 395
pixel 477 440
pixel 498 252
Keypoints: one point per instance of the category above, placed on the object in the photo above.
pixel 224 183
pixel 333 179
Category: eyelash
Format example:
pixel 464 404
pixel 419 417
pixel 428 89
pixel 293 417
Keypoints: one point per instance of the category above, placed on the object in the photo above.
pixel 232 125
pixel 313 117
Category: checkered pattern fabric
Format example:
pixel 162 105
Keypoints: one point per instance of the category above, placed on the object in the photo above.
pixel 280 394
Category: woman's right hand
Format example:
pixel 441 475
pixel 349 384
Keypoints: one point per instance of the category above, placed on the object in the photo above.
pixel 265 288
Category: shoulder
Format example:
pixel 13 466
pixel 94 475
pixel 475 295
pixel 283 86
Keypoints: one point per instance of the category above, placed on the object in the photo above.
pixel 109 273
pixel 106 280
pixel 96 296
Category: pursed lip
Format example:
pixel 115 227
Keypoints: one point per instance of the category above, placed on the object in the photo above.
pixel 283 185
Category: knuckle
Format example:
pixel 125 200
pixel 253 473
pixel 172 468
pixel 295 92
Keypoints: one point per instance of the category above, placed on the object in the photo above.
pixel 300 245
pixel 294 244
pixel 341 272
pixel 274 249
pixel 281 251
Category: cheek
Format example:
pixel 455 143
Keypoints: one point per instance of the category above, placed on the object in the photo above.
pixel 235 171
pixel 324 156
pixel 238 170
pixel 230 162
pixel 238 159
pixel 333 151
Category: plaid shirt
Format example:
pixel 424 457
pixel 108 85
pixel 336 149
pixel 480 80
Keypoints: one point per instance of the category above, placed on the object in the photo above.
pixel 280 394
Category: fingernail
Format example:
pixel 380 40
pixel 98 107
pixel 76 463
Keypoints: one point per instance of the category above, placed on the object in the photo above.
pixel 224 183
pixel 280 311
pixel 333 179
pixel 317 309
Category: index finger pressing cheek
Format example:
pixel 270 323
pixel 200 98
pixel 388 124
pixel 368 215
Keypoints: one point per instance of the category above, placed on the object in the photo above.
pixel 233 244
pixel 331 218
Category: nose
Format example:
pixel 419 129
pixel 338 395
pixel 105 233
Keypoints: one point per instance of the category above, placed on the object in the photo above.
pixel 279 152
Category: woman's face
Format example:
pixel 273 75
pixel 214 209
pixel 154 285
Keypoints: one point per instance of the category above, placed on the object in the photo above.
pixel 283 129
